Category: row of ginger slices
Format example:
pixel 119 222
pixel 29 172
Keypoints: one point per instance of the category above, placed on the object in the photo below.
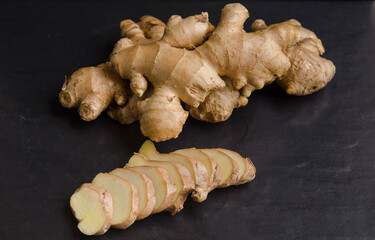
pixel 152 182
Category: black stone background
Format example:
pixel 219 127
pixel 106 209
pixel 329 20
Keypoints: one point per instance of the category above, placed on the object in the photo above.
pixel 314 154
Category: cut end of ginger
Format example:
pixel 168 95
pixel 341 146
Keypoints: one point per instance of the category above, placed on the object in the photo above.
pixel 92 206
pixel 124 196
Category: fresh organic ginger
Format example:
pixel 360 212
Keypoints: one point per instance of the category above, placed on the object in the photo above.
pixel 212 70
pixel 92 89
pixel 93 207
pixel 196 169
pixel 147 185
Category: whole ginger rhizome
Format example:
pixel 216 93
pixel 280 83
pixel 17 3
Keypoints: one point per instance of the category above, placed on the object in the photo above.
pixel 154 67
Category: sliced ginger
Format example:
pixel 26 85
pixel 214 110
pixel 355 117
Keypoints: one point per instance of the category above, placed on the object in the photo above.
pixel 179 174
pixel 160 182
pixel 124 196
pixel 163 185
pixel 92 206
pixel 246 169
pixel 214 176
pixel 197 169
pixel 145 189
pixel 229 168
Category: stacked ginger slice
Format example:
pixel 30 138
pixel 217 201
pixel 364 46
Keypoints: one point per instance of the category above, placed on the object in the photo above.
pixel 152 182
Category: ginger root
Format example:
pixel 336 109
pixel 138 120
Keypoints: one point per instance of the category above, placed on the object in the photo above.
pixel 153 182
pixel 154 67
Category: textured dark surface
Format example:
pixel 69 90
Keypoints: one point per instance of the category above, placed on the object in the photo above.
pixel 314 154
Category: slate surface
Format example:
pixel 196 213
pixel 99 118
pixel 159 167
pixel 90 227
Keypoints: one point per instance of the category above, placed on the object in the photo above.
pixel 314 154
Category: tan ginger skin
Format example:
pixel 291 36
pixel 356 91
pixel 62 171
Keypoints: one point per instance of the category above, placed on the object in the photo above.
pixel 212 70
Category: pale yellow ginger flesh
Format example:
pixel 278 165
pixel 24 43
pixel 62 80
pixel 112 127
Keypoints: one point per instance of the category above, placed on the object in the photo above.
pixel 229 168
pixel 179 174
pixel 92 206
pixel 246 167
pixel 124 196
pixel 145 189
pixel 155 68
pixel 197 170
pixel 164 186
pixel 207 161
pixel 146 186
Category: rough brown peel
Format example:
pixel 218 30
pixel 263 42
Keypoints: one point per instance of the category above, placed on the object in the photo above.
pixel 155 67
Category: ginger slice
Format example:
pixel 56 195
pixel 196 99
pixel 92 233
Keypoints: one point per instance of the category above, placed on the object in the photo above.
pixel 229 168
pixel 163 184
pixel 145 188
pixel 124 196
pixel 246 167
pixel 197 169
pixel 214 176
pixel 92 206
pixel 180 175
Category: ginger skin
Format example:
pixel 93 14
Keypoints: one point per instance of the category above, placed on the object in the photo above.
pixel 92 89
pixel 212 70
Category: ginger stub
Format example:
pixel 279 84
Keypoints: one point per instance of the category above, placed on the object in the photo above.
pixel 155 68
pixel 147 185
